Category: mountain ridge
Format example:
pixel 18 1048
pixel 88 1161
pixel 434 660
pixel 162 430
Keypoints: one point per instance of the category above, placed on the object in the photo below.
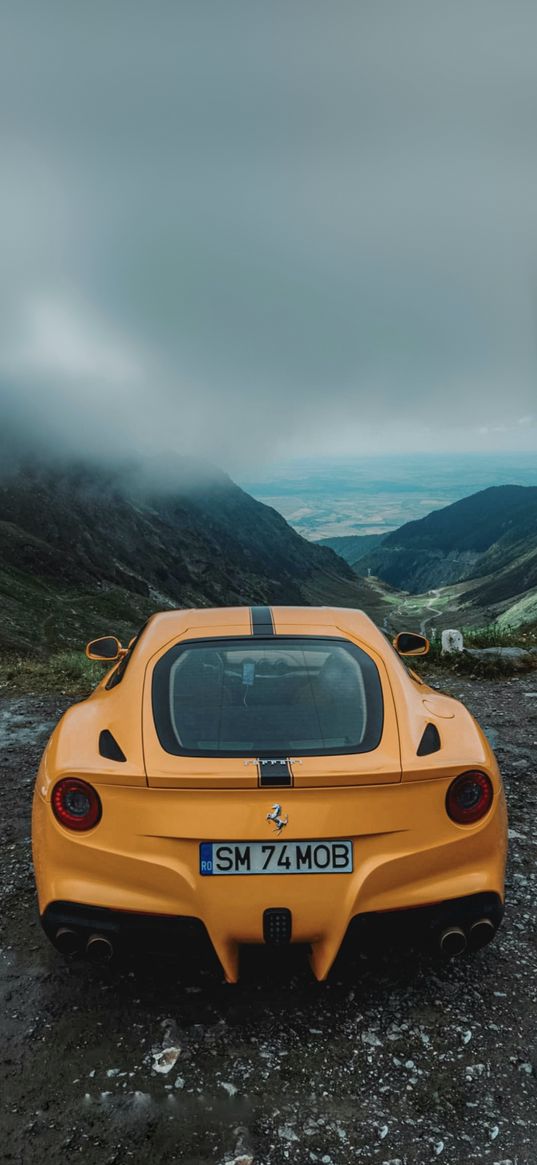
pixel 85 549
pixel 352 547
pixel 471 563
pixel 464 540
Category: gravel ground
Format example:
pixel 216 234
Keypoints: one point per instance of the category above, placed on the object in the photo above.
pixel 399 1062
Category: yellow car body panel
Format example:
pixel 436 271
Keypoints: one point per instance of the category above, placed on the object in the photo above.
pixel 143 856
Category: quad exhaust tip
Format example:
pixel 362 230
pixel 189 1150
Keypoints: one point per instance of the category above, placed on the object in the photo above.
pixel 99 949
pixel 453 941
pixel 481 932
pixel 67 941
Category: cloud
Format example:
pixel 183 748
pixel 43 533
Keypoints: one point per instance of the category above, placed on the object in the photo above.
pixel 253 231
pixel 57 340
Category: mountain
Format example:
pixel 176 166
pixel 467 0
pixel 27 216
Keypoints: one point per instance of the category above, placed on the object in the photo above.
pixel 86 550
pixel 353 547
pixel 508 592
pixel 490 532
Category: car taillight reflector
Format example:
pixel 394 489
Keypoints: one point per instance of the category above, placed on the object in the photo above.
pixel 75 804
pixel 469 797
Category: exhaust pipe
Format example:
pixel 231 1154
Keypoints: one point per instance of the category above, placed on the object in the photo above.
pixel 481 932
pixel 99 949
pixel 67 941
pixel 452 941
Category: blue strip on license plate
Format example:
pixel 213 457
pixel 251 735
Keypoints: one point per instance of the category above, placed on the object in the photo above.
pixel 265 857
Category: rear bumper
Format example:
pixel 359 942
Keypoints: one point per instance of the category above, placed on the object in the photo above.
pixel 143 861
pixel 186 938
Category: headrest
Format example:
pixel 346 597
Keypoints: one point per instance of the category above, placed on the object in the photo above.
pixel 339 677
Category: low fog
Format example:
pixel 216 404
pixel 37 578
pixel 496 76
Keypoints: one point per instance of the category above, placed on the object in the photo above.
pixel 246 232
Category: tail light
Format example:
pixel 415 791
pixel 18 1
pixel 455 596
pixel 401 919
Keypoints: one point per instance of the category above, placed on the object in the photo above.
pixel 469 797
pixel 75 804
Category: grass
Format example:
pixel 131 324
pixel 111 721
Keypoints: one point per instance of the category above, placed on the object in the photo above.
pixel 500 635
pixel 38 619
pixel 67 672
pixel 485 667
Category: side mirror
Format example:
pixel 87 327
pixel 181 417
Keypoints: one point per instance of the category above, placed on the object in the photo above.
pixel 106 650
pixel 410 643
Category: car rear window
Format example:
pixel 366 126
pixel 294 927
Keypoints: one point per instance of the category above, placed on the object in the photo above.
pixel 267 697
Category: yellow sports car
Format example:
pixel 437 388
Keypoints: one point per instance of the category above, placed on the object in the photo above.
pixel 266 775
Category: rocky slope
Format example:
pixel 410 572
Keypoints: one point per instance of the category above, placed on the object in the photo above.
pixel 492 534
pixel 86 550
pixel 353 547
pixel 507 595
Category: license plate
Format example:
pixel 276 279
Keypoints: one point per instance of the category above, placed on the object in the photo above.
pixel 266 857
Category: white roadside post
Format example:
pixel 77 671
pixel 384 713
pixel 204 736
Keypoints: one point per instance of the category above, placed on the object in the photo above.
pixel 452 642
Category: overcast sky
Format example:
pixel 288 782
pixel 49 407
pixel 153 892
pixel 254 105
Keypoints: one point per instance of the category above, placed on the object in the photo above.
pixel 254 230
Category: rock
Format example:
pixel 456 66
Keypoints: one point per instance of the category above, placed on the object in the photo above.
pixel 286 1133
pixel 165 1060
pixel 229 1088
pixel 519 658
pixel 372 1039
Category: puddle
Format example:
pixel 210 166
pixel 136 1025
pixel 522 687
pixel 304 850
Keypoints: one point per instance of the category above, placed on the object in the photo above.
pixel 19 725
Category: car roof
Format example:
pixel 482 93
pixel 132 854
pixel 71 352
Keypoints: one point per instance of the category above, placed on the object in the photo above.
pixel 197 622
pixel 282 616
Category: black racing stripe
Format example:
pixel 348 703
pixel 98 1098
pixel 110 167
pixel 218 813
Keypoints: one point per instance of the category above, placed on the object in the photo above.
pixel 262 622
pixel 274 773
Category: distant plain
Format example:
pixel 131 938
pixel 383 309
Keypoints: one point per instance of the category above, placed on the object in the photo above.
pixel 372 495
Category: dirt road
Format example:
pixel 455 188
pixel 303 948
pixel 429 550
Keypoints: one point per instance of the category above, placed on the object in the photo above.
pixel 393 1062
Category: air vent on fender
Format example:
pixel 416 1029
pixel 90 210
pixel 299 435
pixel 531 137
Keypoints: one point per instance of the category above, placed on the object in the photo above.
pixel 430 741
pixel 109 747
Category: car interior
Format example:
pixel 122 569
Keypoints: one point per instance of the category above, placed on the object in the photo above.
pixel 268 697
